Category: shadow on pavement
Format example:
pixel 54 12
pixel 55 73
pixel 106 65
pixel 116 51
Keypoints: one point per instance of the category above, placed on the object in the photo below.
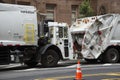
pixel 39 66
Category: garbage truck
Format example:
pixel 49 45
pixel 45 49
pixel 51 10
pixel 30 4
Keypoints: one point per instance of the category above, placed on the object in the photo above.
pixel 21 42
pixel 102 40
pixel 77 31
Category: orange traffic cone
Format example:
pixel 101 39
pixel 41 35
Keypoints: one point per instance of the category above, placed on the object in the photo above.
pixel 78 72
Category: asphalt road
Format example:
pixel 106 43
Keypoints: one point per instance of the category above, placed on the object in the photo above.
pixel 64 71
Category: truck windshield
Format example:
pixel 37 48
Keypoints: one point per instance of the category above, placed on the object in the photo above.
pixel 63 32
pixel 60 32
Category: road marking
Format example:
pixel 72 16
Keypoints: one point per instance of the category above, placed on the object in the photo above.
pixel 86 75
pixel 112 79
pixel 114 74
pixel 46 79
pixel 49 79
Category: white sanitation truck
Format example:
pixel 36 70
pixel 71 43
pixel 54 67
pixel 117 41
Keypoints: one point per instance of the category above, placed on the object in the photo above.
pixel 77 31
pixel 102 40
pixel 20 40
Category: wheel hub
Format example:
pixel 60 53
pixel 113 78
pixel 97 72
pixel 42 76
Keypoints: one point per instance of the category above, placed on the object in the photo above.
pixel 50 58
pixel 113 56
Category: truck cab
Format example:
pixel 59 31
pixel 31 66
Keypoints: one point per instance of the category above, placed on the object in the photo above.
pixel 59 36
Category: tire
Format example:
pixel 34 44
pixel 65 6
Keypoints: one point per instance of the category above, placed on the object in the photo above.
pixel 111 56
pixel 49 59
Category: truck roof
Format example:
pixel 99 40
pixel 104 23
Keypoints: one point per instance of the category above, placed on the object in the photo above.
pixel 50 24
pixel 15 7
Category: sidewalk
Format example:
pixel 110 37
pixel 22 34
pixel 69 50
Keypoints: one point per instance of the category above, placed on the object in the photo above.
pixel 10 66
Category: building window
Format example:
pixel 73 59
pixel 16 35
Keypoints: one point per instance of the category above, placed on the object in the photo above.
pixel 102 10
pixel 1 1
pixel 74 13
pixel 50 11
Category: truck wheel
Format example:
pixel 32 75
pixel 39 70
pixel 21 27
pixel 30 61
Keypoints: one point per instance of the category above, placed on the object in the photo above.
pixel 49 59
pixel 111 55
pixel 30 63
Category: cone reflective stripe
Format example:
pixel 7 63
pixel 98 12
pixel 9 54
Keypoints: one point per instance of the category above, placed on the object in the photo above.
pixel 78 72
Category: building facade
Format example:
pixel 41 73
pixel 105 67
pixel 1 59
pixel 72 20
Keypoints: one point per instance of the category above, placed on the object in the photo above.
pixel 108 6
pixel 67 10
pixel 56 10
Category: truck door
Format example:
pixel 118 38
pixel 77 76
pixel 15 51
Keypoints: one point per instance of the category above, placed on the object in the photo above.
pixel 63 42
pixel 59 36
